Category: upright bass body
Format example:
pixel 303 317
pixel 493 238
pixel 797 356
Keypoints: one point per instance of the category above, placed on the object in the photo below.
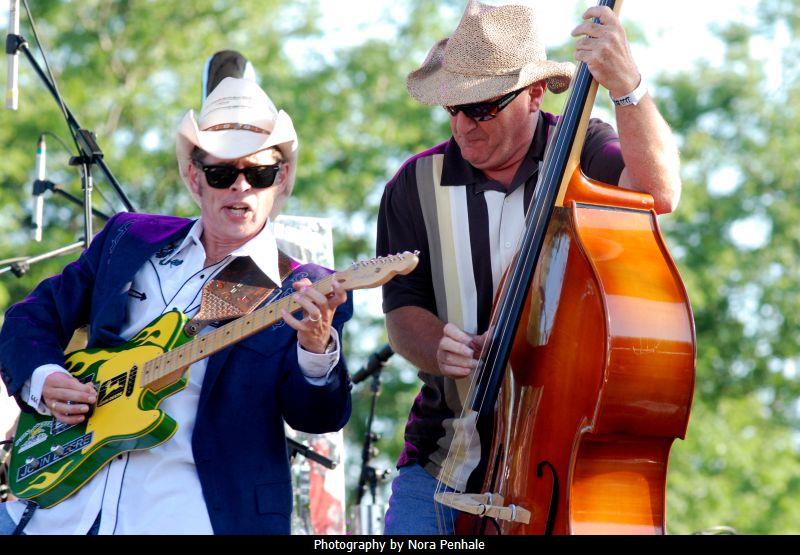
pixel 601 374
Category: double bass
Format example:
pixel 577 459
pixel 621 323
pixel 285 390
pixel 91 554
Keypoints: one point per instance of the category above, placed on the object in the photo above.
pixel 587 374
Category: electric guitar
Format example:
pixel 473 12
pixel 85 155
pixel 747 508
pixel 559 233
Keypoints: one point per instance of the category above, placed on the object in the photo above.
pixel 50 460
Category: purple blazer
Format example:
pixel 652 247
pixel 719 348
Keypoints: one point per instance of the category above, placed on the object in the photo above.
pixel 248 391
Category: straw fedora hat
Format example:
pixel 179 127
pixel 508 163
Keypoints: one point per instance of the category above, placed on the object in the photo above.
pixel 238 119
pixel 493 51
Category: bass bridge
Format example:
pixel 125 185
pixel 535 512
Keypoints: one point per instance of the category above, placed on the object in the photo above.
pixel 489 505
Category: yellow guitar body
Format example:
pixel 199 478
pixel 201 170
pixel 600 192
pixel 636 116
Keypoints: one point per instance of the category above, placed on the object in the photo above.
pixel 50 460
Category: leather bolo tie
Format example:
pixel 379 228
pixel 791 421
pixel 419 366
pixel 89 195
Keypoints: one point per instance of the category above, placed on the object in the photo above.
pixel 236 291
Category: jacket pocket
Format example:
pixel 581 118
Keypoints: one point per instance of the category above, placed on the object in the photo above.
pixel 274 497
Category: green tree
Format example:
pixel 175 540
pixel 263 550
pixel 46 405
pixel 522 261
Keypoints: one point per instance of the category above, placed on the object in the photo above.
pixel 736 239
pixel 130 78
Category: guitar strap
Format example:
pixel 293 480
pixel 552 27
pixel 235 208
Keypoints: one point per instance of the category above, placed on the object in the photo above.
pixel 27 515
pixel 237 290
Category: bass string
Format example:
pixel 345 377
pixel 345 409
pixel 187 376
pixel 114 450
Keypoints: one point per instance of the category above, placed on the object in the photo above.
pixel 536 218
pixel 519 287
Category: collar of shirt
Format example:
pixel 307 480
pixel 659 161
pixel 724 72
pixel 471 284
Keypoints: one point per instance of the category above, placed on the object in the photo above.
pixel 262 249
pixel 457 171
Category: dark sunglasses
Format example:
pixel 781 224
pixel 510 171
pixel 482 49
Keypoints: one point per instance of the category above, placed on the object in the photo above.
pixel 222 176
pixel 484 111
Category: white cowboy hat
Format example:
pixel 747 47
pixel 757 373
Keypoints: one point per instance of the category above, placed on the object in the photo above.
pixel 493 51
pixel 238 119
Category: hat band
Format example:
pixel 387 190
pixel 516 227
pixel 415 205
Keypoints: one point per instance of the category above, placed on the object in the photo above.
pixel 242 126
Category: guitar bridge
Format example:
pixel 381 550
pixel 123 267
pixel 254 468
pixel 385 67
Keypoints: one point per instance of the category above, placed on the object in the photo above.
pixel 489 505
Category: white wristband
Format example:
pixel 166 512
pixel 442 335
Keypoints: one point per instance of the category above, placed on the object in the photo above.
pixel 632 98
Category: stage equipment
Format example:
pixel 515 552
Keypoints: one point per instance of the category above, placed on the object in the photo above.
pixel 367 517
pixel 38 191
pixel 5 457
pixel 89 153
pixel 375 363
pixel 12 87
pixel 296 448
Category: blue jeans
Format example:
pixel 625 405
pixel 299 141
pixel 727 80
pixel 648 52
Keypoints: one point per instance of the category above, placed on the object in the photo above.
pixel 7 525
pixel 412 510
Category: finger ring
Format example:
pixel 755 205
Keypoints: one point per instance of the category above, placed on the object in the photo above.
pixel 314 319
pixel 70 402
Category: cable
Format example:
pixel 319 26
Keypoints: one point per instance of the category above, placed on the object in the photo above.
pixel 59 99
pixel 69 152
pixel 59 140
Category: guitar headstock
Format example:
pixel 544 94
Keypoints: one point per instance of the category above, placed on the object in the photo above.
pixel 366 274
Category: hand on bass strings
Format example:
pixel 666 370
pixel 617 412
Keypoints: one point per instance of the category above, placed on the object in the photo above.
pixel 458 352
pixel 605 50
pixel 67 398
pixel 314 329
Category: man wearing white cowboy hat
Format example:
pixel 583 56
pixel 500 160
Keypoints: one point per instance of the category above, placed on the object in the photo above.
pixel 226 468
pixel 491 76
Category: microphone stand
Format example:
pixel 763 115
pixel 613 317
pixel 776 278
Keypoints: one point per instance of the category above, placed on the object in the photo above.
pixel 370 515
pixel 19 266
pixel 87 145
pixel 296 448
pixel 89 154
pixel 369 477
pixel 39 188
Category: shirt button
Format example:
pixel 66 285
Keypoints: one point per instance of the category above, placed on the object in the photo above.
pixel 508 245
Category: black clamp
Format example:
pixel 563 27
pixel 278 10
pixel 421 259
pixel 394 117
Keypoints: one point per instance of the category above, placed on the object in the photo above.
pixel 21 268
pixel 41 186
pixel 14 43
pixel 90 150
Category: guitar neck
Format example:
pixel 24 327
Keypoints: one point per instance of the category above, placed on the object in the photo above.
pixel 229 334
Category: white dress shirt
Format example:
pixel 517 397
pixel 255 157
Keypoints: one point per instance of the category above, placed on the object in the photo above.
pixel 157 491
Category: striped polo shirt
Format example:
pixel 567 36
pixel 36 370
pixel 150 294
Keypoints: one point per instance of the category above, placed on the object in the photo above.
pixel 466 227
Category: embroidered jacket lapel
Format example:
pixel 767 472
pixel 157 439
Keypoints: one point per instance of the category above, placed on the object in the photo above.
pixel 129 246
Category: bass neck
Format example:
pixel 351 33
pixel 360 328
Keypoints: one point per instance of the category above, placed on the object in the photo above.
pixel 562 158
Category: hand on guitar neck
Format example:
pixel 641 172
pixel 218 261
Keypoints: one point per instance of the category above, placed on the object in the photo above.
pixel 314 330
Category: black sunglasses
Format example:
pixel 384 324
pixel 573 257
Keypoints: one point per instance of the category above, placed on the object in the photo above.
pixel 484 111
pixel 222 176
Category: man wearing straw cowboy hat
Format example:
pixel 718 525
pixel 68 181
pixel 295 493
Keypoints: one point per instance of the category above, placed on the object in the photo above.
pixel 226 468
pixel 462 204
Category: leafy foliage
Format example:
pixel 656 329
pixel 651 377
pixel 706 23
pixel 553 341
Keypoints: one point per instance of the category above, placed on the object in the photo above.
pixel 130 69
pixel 736 239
